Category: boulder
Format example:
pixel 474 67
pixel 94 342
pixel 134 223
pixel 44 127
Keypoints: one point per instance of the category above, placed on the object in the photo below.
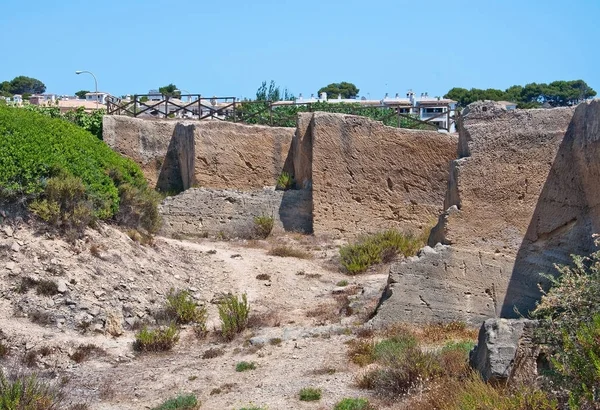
pixel 505 351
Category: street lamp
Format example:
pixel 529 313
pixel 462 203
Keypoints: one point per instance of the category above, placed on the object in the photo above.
pixel 95 82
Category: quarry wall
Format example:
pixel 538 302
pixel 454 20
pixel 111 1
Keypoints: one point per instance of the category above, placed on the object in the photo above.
pixel 520 198
pixel 222 155
pixel 367 177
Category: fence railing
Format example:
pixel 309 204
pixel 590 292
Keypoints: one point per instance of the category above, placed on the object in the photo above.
pixel 194 106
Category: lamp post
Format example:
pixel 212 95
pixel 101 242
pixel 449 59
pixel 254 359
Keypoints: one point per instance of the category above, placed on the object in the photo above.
pixel 95 82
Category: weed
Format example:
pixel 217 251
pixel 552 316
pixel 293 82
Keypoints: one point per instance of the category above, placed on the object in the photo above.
pixel 183 307
pixel 310 394
pixel 41 317
pixel 83 352
pixel 212 353
pixel 95 250
pixel 285 181
pixel 276 341
pixel 263 276
pixel 267 319
pixel 342 283
pixel 156 340
pixel 253 407
pixel 4 350
pixel 233 313
pixel 47 287
pixel 263 225
pixel 289 252
pixel 353 404
pixel 362 352
pixel 26 284
pixel 244 366
pixel 377 248
pixel 28 393
pixel 138 208
pixel 181 402
pixel 324 370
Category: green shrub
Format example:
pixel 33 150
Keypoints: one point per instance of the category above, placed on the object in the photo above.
pixel 91 122
pixel 310 394
pixel 181 305
pixel 138 208
pixel 569 327
pixel 28 393
pixel 64 170
pixel 342 283
pixel 156 340
pixel 263 225
pixel 285 181
pixel 233 313
pixel 46 288
pixel 352 404
pixel 181 402
pixel 381 247
pixel 244 366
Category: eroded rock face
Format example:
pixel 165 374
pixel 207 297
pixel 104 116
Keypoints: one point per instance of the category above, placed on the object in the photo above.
pixel 522 196
pixel 368 177
pixel 223 155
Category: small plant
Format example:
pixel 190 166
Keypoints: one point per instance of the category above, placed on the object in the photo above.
pixel 26 284
pixel 288 252
pixel 352 404
pixel 310 394
pixel 233 313
pixel 156 340
pixel 285 181
pixel 276 341
pixel 47 288
pixel 263 276
pixel 181 402
pixel 212 353
pixel 382 247
pixel 263 225
pixel 4 350
pixel 342 283
pixel 181 305
pixel 244 366
pixel 83 352
pixel 28 393
pixel 95 250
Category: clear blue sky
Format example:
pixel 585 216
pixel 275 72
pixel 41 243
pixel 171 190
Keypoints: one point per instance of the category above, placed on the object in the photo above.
pixel 227 48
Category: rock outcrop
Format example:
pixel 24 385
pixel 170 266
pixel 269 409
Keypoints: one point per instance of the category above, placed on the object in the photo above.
pixel 368 177
pixel 223 155
pixel 505 351
pixel 521 197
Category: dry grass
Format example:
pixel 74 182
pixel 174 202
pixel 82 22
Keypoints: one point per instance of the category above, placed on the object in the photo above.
pixel 289 252
pixel 212 353
pixel 433 333
pixel 263 276
pixel 84 352
pixel 259 320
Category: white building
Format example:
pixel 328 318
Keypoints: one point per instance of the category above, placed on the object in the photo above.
pixel 99 97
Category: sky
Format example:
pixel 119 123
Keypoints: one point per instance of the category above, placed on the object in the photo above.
pixel 227 48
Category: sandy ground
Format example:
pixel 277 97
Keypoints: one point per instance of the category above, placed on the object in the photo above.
pixel 109 274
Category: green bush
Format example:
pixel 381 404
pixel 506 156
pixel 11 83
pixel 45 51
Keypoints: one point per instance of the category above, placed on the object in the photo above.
pixel 138 208
pixel 68 175
pixel 263 225
pixel 310 394
pixel 569 327
pixel 244 366
pixel 181 402
pixel 89 121
pixel 285 181
pixel 181 305
pixel 156 340
pixel 352 404
pixel 381 247
pixel 233 313
pixel 28 393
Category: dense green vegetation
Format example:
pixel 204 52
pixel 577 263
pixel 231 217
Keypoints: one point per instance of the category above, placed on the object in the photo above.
pixel 381 247
pixel 56 166
pixel 21 85
pixel 89 121
pixel 556 93
pixel 569 317
pixel 345 89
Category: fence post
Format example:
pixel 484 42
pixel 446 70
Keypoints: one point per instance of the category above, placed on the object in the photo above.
pixel 135 113
pixel 234 112
pixel 399 118
pixel 271 113
pixel 166 106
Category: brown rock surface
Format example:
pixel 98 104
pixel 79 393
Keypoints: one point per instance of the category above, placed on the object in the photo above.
pixel 522 197
pixel 225 155
pixel 368 177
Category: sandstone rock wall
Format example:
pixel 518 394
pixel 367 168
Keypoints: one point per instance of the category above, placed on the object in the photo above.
pixel 522 196
pixel 224 155
pixel 367 177
pixel 230 213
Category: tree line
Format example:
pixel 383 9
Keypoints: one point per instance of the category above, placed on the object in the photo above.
pixel 533 95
